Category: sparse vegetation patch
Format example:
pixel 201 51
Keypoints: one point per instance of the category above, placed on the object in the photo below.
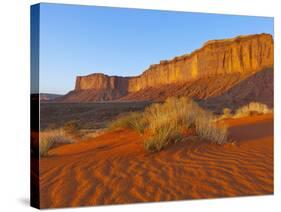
pixel 166 122
pixel 50 138
pixel 253 108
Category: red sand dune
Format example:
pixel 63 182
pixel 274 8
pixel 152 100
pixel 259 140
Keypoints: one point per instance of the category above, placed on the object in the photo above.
pixel 114 168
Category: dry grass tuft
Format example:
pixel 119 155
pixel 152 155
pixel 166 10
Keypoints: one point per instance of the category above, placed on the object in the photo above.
pixel 208 130
pixel 162 138
pixel 227 113
pixel 71 128
pixel 50 138
pixel 132 120
pixel 253 108
pixel 166 122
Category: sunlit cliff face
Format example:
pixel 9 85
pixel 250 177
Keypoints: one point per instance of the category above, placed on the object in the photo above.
pixel 243 54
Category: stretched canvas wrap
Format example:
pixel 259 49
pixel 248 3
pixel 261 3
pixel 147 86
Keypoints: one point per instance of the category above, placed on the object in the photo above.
pixel 133 105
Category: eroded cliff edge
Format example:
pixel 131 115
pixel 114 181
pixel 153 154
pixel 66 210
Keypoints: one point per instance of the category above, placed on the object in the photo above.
pixel 242 55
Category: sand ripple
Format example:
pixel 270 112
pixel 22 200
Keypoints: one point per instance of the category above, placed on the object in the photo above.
pixel 114 169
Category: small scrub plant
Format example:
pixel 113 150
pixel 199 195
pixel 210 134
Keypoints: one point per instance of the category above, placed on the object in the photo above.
pixel 48 139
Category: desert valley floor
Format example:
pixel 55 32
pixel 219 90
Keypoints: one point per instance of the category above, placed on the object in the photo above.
pixel 114 168
pixel 175 144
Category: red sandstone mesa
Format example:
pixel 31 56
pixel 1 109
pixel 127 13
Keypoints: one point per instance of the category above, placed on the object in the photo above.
pixel 242 55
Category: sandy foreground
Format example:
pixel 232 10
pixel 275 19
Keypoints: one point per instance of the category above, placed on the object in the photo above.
pixel 114 168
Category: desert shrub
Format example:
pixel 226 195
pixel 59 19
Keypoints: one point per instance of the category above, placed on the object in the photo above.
pixel 132 120
pixel 252 109
pixel 50 138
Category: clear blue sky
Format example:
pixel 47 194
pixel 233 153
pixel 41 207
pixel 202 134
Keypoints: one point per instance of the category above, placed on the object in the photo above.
pixel 80 40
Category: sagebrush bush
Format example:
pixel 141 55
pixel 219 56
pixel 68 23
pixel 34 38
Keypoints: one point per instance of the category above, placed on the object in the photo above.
pixel 48 139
